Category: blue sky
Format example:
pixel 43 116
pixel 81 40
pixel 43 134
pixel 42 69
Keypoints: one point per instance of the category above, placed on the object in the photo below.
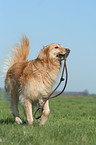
pixel 71 23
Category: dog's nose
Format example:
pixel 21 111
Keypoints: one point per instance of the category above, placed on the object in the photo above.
pixel 67 50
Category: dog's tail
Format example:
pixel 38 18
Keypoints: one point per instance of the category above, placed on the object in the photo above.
pixel 21 51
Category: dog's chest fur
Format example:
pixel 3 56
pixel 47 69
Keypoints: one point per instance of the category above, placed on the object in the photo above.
pixel 38 78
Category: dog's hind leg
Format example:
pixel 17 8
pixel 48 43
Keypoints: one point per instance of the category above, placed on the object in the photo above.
pixel 14 108
pixel 45 113
pixel 27 104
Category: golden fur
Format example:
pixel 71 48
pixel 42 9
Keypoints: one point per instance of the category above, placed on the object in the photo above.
pixel 31 81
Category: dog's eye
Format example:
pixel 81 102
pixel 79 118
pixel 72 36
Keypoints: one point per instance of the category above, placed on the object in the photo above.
pixel 56 47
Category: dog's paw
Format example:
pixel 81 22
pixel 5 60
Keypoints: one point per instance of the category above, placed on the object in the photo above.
pixel 18 120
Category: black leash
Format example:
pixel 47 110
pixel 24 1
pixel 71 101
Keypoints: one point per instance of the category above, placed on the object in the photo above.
pixel 49 97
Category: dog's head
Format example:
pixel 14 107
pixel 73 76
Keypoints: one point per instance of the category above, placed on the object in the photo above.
pixel 54 51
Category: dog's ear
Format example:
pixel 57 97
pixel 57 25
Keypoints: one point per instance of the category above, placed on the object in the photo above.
pixel 43 53
pixel 44 47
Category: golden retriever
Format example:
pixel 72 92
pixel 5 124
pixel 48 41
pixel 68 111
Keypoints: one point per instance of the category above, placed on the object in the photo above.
pixel 31 81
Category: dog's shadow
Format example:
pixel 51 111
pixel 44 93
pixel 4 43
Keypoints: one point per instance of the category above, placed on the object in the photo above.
pixel 9 121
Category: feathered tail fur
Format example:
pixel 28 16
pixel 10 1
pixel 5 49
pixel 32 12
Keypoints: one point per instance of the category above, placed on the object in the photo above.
pixel 21 51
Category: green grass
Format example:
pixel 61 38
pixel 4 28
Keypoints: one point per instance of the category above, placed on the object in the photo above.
pixel 72 121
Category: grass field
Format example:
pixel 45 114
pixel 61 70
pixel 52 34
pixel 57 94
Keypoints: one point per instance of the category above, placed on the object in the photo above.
pixel 72 121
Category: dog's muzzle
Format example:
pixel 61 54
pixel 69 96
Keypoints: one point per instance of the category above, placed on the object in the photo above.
pixel 64 55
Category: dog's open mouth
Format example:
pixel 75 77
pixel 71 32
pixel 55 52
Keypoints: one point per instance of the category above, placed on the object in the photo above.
pixel 62 56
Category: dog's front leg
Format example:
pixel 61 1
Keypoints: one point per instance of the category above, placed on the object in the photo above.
pixel 28 110
pixel 45 113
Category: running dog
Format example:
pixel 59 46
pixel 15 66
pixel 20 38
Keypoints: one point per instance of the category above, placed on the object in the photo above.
pixel 31 81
